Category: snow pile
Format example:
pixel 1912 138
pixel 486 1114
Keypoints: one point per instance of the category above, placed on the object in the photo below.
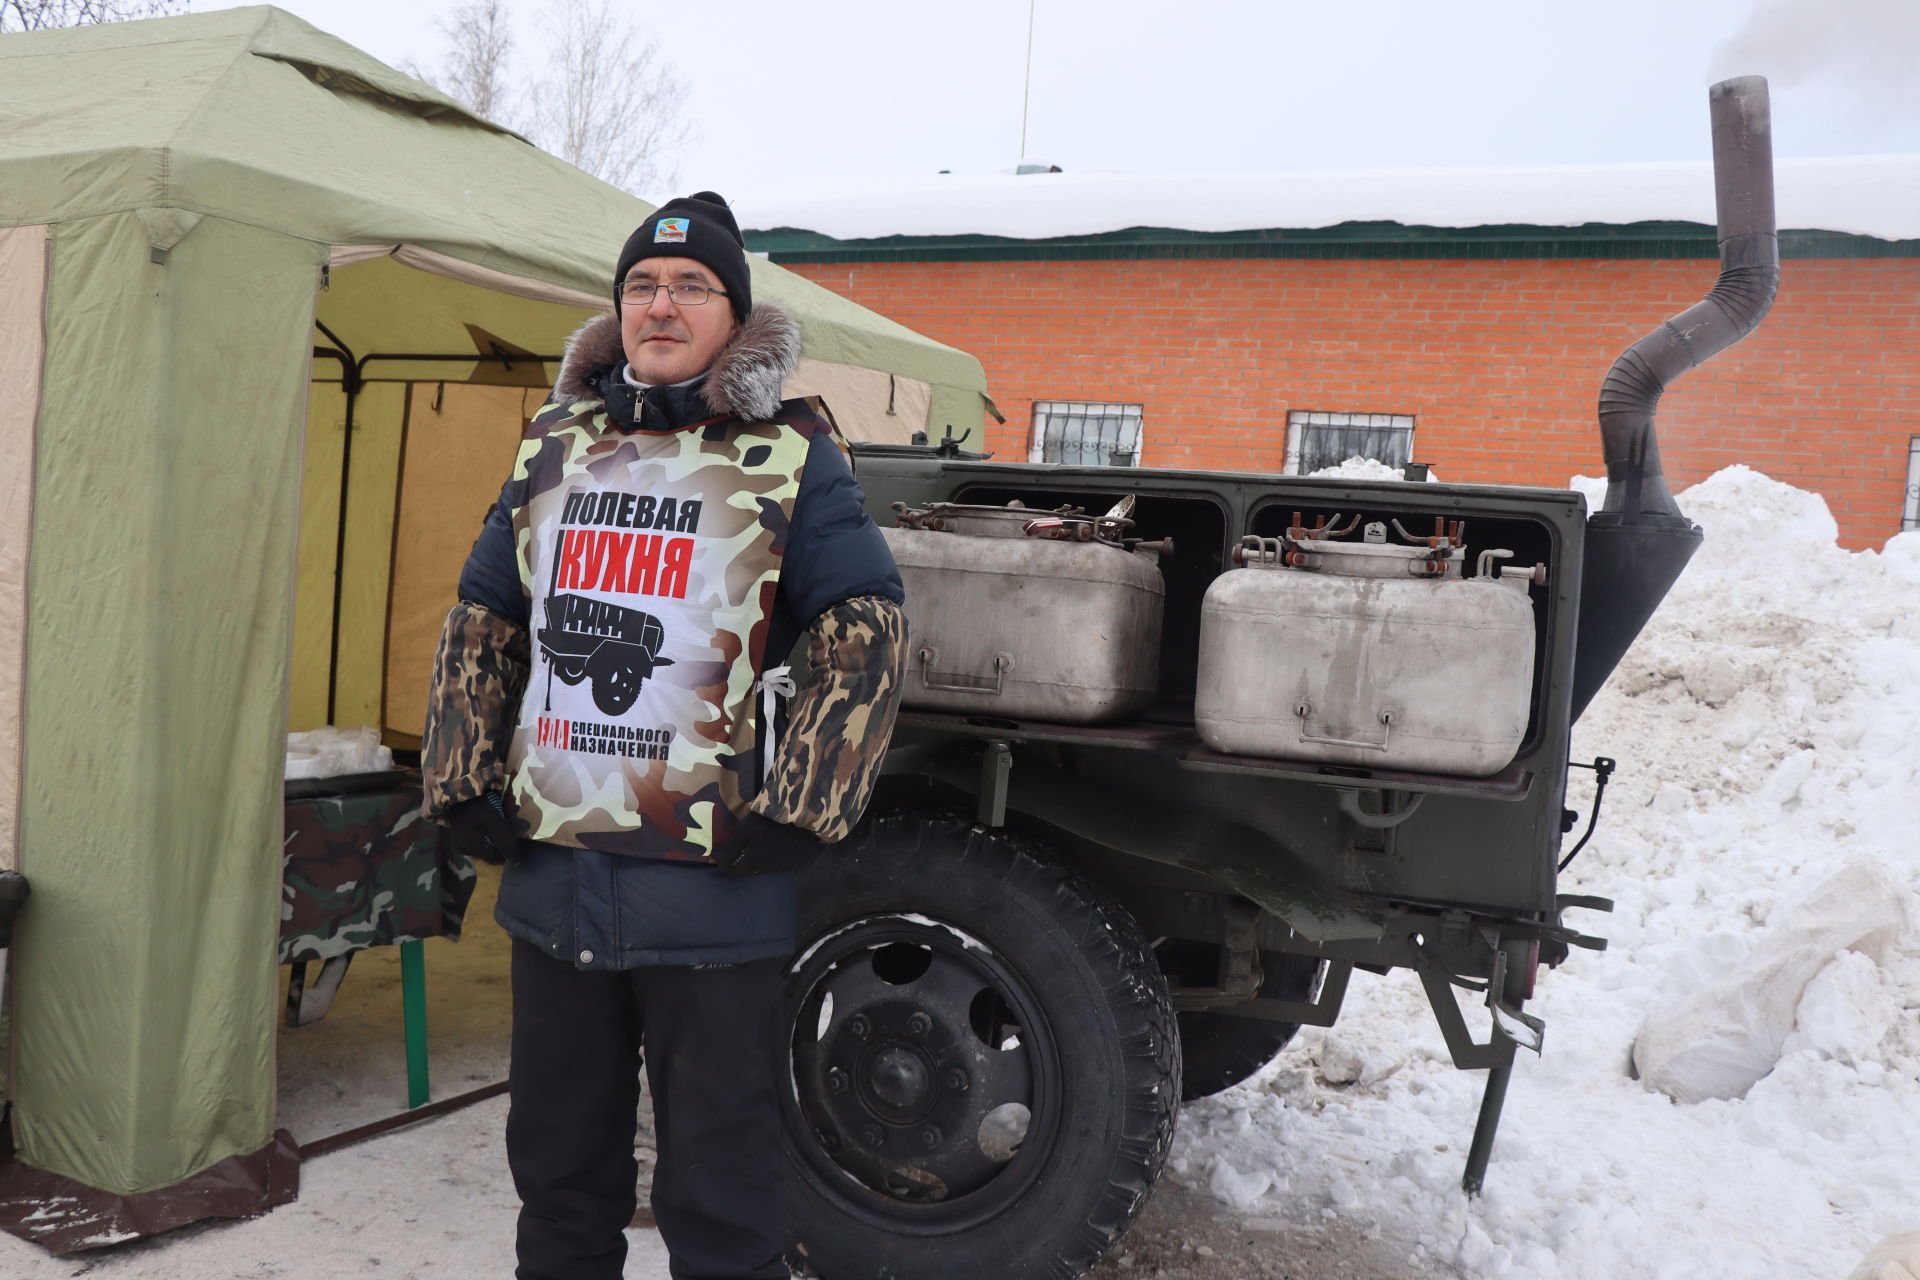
pixel 1759 841
pixel 1359 468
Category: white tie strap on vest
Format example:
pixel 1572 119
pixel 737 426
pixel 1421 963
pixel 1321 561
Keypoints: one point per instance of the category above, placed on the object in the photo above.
pixel 777 682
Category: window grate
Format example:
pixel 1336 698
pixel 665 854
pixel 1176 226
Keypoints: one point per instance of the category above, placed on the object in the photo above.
pixel 1085 433
pixel 1911 518
pixel 1318 440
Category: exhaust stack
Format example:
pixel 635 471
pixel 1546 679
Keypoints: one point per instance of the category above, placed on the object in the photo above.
pixel 1638 542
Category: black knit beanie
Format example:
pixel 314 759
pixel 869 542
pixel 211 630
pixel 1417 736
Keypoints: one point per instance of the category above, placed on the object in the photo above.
pixel 701 227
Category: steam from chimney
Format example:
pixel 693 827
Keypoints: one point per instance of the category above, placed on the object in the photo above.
pixel 1859 56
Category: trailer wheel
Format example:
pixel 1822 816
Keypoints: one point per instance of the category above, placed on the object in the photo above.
pixel 617 677
pixel 1218 1050
pixel 985 1064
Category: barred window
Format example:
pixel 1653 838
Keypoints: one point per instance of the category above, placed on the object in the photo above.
pixel 1911 519
pixel 1318 440
pixel 1084 433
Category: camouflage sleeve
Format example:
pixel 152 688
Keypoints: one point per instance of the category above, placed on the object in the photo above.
pixel 479 673
pixel 825 764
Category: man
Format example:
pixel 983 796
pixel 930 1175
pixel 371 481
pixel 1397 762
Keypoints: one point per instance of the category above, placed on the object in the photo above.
pixel 603 714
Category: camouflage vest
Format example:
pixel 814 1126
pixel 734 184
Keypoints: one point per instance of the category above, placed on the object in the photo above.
pixel 651 561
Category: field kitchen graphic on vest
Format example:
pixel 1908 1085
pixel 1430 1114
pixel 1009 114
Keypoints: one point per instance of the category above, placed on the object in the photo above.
pixel 617 647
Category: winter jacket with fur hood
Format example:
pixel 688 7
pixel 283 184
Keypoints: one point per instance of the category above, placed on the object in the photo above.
pixel 837 584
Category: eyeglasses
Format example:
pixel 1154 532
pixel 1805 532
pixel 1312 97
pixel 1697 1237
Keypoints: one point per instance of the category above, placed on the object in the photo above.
pixel 684 293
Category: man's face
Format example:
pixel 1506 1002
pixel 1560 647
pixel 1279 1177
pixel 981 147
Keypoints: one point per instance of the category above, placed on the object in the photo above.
pixel 667 342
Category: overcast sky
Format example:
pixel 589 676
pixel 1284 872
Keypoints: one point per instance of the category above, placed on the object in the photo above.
pixel 855 88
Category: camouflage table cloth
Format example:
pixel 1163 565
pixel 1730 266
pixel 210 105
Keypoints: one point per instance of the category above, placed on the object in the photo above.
pixel 364 870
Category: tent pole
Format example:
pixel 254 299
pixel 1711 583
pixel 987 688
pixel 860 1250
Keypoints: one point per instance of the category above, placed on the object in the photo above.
pixel 350 382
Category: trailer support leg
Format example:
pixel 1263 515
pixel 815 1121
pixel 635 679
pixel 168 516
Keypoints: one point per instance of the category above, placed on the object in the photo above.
pixel 996 766
pixel 1491 1100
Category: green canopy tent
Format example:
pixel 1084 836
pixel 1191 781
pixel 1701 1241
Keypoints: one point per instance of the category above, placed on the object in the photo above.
pixel 219 520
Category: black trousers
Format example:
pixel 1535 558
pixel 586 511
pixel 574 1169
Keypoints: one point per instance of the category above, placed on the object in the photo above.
pixel 709 1040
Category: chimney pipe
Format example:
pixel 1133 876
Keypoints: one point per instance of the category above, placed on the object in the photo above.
pixel 1749 275
pixel 1638 542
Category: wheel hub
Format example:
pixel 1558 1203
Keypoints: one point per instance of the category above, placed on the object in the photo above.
pixel 895 1081
pixel 901 1058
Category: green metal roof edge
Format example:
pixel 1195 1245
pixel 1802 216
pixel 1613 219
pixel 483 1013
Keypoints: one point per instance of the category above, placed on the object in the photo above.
pixel 1347 240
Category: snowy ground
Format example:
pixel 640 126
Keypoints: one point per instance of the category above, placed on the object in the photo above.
pixel 1768 732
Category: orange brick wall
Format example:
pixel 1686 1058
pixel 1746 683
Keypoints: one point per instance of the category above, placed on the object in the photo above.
pixel 1500 361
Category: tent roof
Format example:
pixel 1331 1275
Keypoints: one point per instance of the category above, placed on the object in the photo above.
pixel 254 116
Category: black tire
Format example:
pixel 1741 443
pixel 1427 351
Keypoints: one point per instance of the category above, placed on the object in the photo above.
pixel 617 676
pixel 924 940
pixel 1218 1050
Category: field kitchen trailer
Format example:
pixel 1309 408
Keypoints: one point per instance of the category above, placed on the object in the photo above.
pixel 1181 752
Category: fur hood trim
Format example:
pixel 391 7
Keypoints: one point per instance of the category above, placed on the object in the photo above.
pixel 744 381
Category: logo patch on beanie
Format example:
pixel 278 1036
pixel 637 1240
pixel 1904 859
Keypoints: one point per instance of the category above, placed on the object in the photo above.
pixel 670 231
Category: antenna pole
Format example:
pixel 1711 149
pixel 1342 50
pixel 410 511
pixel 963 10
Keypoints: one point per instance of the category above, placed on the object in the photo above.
pixel 1026 84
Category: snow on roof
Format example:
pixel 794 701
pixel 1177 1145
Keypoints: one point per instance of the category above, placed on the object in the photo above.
pixel 1861 195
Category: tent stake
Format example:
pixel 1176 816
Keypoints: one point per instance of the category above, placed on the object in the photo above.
pixel 433 1110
